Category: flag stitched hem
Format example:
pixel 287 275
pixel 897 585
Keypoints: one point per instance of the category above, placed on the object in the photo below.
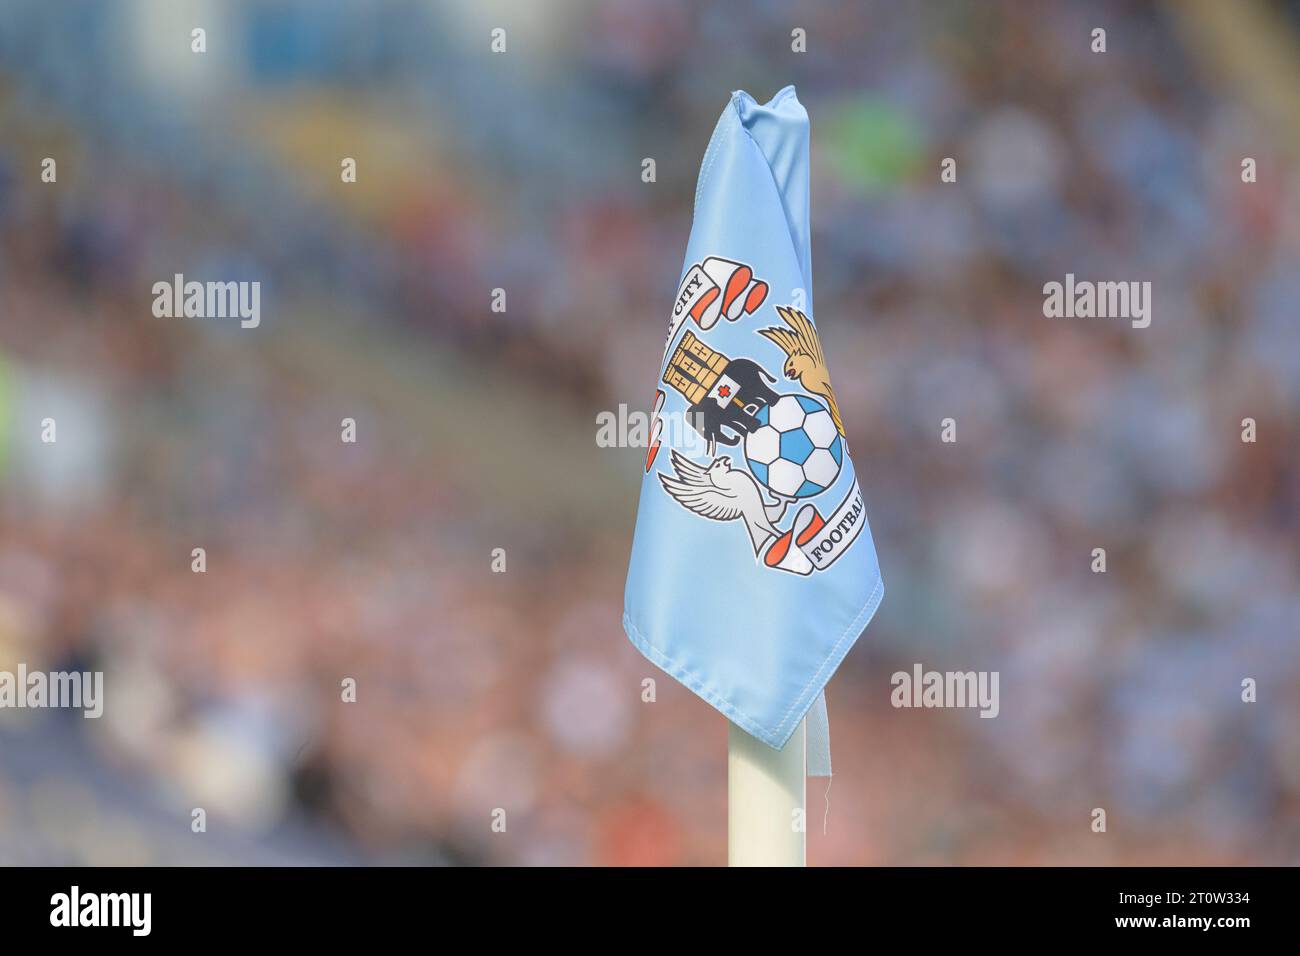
pixel 778 736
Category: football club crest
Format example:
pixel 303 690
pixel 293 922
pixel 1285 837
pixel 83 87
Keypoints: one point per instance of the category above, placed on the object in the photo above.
pixel 788 446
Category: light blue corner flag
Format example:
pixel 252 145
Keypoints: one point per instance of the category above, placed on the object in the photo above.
pixel 753 569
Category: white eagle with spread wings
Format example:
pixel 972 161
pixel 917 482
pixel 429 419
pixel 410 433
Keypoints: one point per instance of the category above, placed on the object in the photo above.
pixel 723 493
pixel 804 359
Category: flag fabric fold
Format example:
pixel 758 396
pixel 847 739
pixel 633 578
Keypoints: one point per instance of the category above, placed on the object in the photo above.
pixel 753 569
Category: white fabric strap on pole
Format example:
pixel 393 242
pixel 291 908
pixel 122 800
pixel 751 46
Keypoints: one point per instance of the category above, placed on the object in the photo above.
pixel 819 739
pixel 765 800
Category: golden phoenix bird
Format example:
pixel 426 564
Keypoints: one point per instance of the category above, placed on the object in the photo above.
pixel 804 359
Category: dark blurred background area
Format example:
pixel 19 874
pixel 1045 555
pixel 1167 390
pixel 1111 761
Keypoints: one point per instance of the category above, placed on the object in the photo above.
pixel 476 429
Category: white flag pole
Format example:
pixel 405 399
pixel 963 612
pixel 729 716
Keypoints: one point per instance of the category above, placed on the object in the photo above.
pixel 765 788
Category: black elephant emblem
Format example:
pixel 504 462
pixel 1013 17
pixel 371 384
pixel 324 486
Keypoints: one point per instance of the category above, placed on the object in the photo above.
pixel 724 393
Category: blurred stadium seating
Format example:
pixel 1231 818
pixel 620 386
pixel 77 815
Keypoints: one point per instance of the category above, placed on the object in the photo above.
pixel 476 429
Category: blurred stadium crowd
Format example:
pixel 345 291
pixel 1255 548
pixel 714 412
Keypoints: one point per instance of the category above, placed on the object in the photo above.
pixel 476 429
